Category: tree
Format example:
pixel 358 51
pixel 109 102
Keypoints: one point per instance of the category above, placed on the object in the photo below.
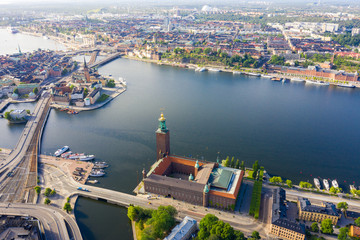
pixel 255 169
pixel 275 180
pixel 357 222
pixel 232 163
pixel 86 91
pixel 64 72
pixel 16 91
pixel 35 90
pixel 305 184
pixel 47 192
pixel 344 234
pixel 315 227
pixel 71 87
pixel 67 207
pixel 255 235
pixel 242 166
pixel 227 162
pixel 47 201
pixel 237 164
pixel 327 226
pixel 207 51
pixel 53 192
pixel 239 235
pixel 343 206
pixel 205 226
pixel 7 116
pixel 37 189
pixel 289 183
pixel 335 190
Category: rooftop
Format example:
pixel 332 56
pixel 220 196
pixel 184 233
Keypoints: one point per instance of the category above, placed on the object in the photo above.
pixel 182 229
pixel 326 208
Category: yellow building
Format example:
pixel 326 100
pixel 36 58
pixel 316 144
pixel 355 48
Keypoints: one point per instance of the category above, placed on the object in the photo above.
pixel 286 229
pixel 314 213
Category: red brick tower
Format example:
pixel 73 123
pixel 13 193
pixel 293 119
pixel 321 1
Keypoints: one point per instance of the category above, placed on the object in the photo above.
pixel 162 139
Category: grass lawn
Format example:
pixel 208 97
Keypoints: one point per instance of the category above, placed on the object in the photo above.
pixel 102 98
pixel 249 174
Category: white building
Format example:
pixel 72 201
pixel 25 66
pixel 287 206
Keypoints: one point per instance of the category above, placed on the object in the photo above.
pixel 18 114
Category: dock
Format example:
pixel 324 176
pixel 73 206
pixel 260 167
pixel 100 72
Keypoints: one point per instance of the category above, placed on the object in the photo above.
pixel 69 166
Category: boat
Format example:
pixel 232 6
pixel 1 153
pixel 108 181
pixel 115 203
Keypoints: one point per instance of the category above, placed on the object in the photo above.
pixel 266 76
pixel 253 74
pixel 276 79
pixel 86 157
pixel 297 79
pixel 12 30
pixel 66 154
pixel 61 151
pixel 199 69
pixel 317 82
pixel 237 72
pixel 352 187
pixel 98 165
pixel 346 85
pixel 76 155
pixel 93 181
pixel 326 184
pixel 97 173
pixel 122 81
pixel 317 183
pixel 335 183
pixel 214 70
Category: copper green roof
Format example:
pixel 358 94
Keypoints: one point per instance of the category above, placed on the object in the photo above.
pixel 197 164
pixel 220 178
pixel 206 189
pixel 191 177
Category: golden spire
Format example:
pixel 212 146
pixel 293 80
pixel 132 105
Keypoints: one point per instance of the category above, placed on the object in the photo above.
pixel 162 117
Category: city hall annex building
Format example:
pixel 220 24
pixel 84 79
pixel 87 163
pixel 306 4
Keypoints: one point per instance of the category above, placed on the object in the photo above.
pixel 190 180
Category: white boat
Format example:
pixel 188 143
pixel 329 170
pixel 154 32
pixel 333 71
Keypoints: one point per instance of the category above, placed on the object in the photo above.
pixel 297 79
pixel 93 181
pixel 253 74
pixel 317 183
pixel 61 151
pixel 76 155
pixel 352 187
pixel 326 184
pixel 214 70
pixel 266 76
pixel 98 165
pixel 97 173
pixel 86 157
pixel 67 154
pixel 122 81
pixel 237 72
pixel 346 85
pixel 317 82
pixel 199 69
pixel 335 183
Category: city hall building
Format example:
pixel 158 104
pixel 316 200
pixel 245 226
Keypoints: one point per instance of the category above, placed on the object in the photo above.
pixel 190 180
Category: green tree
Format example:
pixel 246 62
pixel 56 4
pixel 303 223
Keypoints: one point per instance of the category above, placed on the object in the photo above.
pixel 327 226
pixel 255 235
pixel 344 234
pixel 35 90
pixel 237 164
pixel 343 206
pixel 86 91
pixel 305 184
pixel 7 116
pixel 357 222
pixel 227 162
pixel 16 91
pixel 47 192
pixel 206 225
pixel 242 166
pixel 275 179
pixel 71 87
pixel 255 169
pixel 289 183
pixel 239 235
pixel 315 227
pixel 207 51
pixel 67 207
pixel 232 163
pixel 47 201
pixel 53 192
pixel 64 72
pixel 37 189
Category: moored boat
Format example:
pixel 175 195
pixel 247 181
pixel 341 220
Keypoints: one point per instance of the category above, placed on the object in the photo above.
pixel 98 165
pixel 276 79
pixel 61 151
pixel 318 82
pixel 67 154
pixel 326 184
pixel 253 74
pixel 86 157
pixel 214 70
pixel 296 79
pixel 346 85
pixel 335 183
pixel 122 81
pixel 317 183
pixel 97 173
pixel 199 69
pixel 266 76
pixel 76 155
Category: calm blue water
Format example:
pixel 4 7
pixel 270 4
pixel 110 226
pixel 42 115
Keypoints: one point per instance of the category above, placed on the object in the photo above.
pixel 295 130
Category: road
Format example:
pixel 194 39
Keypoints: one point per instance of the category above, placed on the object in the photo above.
pixel 17 164
pixel 51 218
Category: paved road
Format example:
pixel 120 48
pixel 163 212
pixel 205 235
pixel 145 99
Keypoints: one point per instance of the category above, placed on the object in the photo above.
pixel 51 218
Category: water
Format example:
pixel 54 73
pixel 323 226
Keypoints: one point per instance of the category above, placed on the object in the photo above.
pixel 9 43
pixel 295 130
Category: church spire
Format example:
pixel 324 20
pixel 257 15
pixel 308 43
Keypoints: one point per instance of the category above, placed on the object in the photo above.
pixel 162 124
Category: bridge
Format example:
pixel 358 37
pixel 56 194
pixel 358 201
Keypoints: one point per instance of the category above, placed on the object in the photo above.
pixel 105 60
pixel 93 56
